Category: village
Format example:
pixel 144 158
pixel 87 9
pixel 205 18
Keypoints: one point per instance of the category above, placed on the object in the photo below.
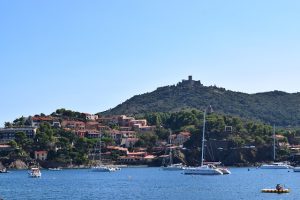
pixel 124 131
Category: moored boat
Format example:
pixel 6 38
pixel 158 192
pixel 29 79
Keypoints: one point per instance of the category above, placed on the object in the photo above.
pixel 35 173
pixel 296 169
pixel 55 169
pixel 170 166
pixel 174 167
pixel 203 170
pixel 276 165
pixel 4 170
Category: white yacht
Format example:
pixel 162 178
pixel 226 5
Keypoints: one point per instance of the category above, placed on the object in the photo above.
pixel 203 169
pixel 171 166
pixel 275 165
pixel 100 167
pixel 174 167
pixel 35 173
pixel 103 168
pixel 55 169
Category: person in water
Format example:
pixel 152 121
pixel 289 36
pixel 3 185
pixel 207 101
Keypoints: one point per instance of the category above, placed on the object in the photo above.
pixel 279 187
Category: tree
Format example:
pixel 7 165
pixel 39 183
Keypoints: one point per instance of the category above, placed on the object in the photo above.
pixel 7 125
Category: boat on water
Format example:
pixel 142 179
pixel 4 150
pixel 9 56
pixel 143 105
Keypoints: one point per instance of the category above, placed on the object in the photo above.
pixel 174 167
pixel 55 169
pixel 35 173
pixel 204 169
pixel 224 170
pixel 104 168
pixel 218 165
pixel 4 170
pixel 101 167
pixel 296 169
pixel 170 166
pixel 275 165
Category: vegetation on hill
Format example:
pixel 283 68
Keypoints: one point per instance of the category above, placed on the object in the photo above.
pixel 280 108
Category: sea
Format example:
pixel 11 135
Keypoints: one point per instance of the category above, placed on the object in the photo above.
pixel 148 183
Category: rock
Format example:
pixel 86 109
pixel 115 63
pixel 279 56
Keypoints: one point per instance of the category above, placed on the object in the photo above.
pixel 18 164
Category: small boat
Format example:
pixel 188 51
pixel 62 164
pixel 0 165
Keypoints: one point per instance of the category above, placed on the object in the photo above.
pixel 55 169
pixel 275 191
pixel 4 170
pixel 296 169
pixel 35 173
pixel 276 165
pixel 170 166
pixel 99 167
pixel 174 167
pixel 103 168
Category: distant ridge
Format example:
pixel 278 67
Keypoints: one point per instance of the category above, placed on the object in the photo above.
pixel 274 107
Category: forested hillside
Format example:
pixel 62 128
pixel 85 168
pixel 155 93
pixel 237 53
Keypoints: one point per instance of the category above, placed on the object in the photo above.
pixel 280 108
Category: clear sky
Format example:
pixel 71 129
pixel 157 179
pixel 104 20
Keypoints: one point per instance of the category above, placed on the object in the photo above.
pixel 90 55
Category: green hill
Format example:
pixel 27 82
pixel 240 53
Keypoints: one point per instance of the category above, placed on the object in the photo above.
pixel 275 107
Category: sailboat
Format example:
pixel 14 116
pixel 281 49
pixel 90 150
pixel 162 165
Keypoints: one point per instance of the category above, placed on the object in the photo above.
pixel 171 166
pixel 203 169
pixel 275 165
pixel 100 167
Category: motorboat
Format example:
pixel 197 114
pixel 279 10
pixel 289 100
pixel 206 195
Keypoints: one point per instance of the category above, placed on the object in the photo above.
pixel 35 173
pixel 4 170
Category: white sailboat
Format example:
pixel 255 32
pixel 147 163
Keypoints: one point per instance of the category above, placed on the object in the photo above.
pixel 171 166
pixel 100 167
pixel 203 169
pixel 275 165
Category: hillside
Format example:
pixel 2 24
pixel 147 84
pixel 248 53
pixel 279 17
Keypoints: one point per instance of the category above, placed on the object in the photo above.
pixel 275 107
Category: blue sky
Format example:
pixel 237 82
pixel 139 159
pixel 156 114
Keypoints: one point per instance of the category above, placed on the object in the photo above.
pixel 90 56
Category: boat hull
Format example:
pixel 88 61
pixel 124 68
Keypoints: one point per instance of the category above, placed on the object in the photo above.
pixel 174 167
pixel 104 169
pixel 275 167
pixel 297 169
pixel 202 171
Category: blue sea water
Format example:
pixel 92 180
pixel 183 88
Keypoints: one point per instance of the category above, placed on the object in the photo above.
pixel 147 183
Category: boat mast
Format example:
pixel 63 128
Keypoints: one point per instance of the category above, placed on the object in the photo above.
pixel 170 149
pixel 274 143
pixel 203 132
